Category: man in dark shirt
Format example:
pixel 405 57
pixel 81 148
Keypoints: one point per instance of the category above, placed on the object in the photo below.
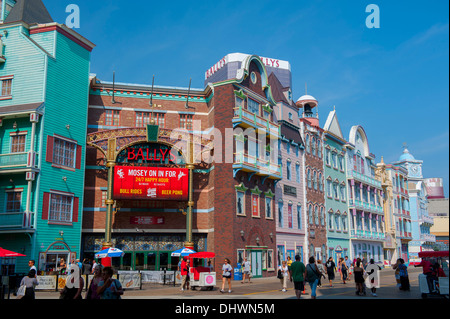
pixel 298 275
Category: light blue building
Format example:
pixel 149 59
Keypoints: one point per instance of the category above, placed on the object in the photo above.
pixel 365 199
pixel 336 205
pixel 44 89
pixel 421 222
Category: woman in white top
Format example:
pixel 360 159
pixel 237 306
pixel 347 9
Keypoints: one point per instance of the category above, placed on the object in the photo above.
pixel 226 275
pixel 30 282
pixel 284 273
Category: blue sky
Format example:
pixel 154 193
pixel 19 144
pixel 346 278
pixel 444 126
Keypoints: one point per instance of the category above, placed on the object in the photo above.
pixel 393 80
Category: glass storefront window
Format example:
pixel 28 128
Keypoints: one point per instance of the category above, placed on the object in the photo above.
pixel 53 259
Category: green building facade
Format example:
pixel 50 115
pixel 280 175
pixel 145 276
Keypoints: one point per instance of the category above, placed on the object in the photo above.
pixel 335 189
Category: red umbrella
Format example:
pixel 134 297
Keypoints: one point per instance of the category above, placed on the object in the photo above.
pixel 8 253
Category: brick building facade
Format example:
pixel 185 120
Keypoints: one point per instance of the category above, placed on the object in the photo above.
pixel 233 181
pixel 312 135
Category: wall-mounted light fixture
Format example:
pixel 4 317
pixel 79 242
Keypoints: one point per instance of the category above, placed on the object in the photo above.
pixel 64 178
pixel 68 126
pixel 15 126
pixel 242 233
pixel 271 235
pixel 257 240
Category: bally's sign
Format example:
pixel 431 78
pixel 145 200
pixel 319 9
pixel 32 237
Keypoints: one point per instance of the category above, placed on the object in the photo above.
pixel 150 153
pixel 150 183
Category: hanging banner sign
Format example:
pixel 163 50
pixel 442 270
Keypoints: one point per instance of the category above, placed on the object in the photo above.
pixel 151 183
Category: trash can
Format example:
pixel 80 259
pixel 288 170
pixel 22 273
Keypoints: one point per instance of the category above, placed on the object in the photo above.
pixel 237 273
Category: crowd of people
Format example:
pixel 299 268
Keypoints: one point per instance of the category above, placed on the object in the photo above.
pixel 315 271
pixel 101 286
pixel 104 286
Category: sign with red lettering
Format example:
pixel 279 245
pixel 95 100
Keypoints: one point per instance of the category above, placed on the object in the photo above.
pixel 146 220
pixel 150 183
pixel 151 154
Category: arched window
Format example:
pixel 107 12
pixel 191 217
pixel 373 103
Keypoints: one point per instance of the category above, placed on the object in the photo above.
pixel 322 216
pixel 313 146
pixel 320 182
pixel 330 219
pixel 315 180
pixel 310 214
pixel 308 177
pixel 307 144
pixel 344 221
pixel 319 148
pixel 316 215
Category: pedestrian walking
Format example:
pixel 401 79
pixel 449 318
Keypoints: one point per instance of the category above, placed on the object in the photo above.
pixel 86 267
pixel 339 268
pixel 289 262
pixel 30 282
pixel 348 262
pixel 226 275
pixel 358 273
pixel 246 270
pixel 397 273
pixel 108 287
pixel 322 271
pixel 94 264
pixel 93 286
pixel 372 270
pixel 312 276
pixel 32 266
pixel 427 271
pixel 74 284
pixel 298 275
pixel 184 268
pixel 331 266
pixel 404 278
pixel 344 270
pixel 283 271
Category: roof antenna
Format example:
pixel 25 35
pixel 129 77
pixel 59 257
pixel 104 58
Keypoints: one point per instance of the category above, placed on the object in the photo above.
pixel 113 101
pixel 189 92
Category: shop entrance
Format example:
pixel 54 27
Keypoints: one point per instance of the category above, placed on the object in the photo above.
pixel 256 263
pixel 146 260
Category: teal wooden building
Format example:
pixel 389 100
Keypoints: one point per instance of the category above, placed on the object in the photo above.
pixel 336 199
pixel 44 88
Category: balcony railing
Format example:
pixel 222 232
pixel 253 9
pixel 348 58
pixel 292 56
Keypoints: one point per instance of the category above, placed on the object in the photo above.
pixel 15 160
pixel 241 114
pixel 367 234
pixel 428 237
pixel 365 206
pixel 16 220
pixel 257 165
pixel 427 220
pixel 365 179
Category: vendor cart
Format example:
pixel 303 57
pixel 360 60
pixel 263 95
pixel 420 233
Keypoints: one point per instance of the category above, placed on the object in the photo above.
pixel 201 276
pixel 439 284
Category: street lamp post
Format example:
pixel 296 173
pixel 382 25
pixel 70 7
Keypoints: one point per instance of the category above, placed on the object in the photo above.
pixel 189 242
pixel 110 163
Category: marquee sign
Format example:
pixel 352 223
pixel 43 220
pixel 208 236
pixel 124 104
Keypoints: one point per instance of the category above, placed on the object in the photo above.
pixel 150 183
pixel 150 153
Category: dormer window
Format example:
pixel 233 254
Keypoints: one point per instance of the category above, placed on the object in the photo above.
pixel 7 6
